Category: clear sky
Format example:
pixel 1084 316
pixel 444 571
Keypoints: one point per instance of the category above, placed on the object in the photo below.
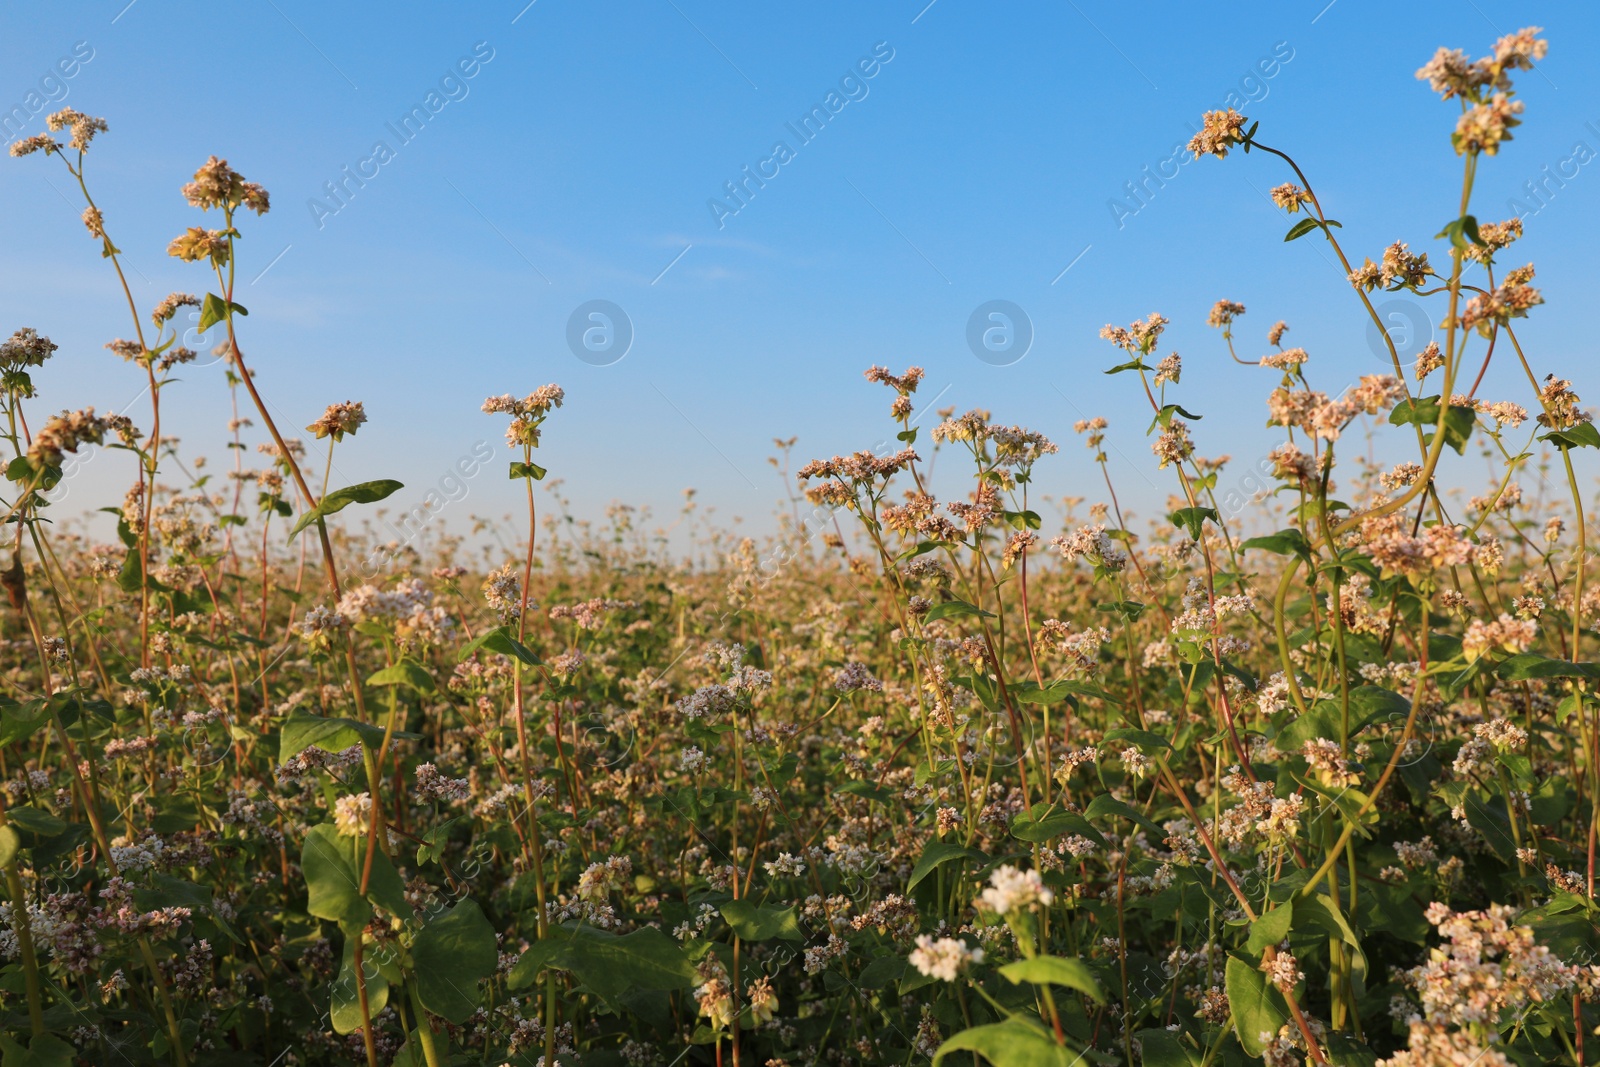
pixel 972 152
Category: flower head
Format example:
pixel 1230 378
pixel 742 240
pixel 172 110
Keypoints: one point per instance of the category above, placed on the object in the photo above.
pixel 339 420
pixel 943 958
pixel 1220 131
pixel 218 185
pixel 1011 889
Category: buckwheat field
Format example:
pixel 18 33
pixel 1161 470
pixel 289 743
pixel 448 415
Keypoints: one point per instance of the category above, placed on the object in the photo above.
pixel 966 780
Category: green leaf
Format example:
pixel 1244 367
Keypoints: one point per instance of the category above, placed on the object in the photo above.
pixel 339 499
pixel 333 882
pixel 1151 744
pixel 1315 910
pixel 1282 543
pixel 35 821
pixel 451 955
pixel 17 724
pixel 332 865
pixel 520 469
pixel 1128 609
pixel 607 964
pixel 43 1050
pixel 498 640
pixel 1531 665
pixel 1164 416
pixel 1106 804
pixel 344 1009
pixel 407 672
pixel 212 311
pixel 1257 1007
pixel 1487 815
pixel 938 853
pixel 1461 231
pixel 1424 412
pixel 762 922
pixel 1056 692
pixel 881 971
pixel 953 608
pixel 10 843
pixel 302 730
pixel 1191 519
pixel 1053 970
pixel 1162 1048
pixel 1583 435
pixel 1016 1042
pixel 1132 364
pixel 1270 928
pixel 1300 229
pixel 1044 822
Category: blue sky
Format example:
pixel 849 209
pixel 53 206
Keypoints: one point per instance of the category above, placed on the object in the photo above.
pixel 980 161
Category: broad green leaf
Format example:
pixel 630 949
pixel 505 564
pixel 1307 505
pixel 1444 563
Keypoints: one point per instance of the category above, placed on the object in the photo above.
pixel 339 499
pixel 344 1009
pixel 1163 1048
pixel 607 964
pixel 1580 435
pixel 881 971
pixel 1053 970
pixel 1258 1010
pixel 1017 1042
pixel 43 1050
pixel 333 881
pixel 1043 822
pixel 332 865
pixel 1193 519
pixel 407 672
pixel 18 722
pixel 864 787
pixel 761 922
pixel 1270 928
pixel 1106 804
pixel 1283 543
pixel 1300 229
pixel 1144 740
pixel 1531 665
pixel 938 853
pixel 10 843
pixel 1056 692
pixel 35 821
pixel 1424 412
pixel 451 955
pixel 302 730
pixel 1487 815
pixel 1164 416
pixel 953 608
pixel 498 640
pixel 520 469
pixel 212 311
